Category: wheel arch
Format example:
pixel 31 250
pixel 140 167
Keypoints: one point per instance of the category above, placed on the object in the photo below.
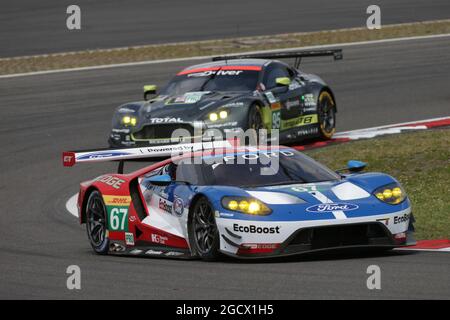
pixel 193 201
pixel 321 89
pixel 85 199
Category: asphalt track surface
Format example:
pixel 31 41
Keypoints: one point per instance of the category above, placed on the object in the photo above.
pixel 38 27
pixel 42 115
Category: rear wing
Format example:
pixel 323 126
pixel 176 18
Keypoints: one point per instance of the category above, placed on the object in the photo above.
pixel 70 158
pixel 298 55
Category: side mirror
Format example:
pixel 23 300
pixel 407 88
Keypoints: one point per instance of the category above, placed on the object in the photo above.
pixel 284 81
pixel 356 166
pixel 149 90
pixel 160 180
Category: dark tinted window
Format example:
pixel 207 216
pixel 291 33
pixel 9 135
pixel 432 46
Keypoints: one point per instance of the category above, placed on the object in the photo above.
pixel 274 71
pixel 221 80
pixel 294 167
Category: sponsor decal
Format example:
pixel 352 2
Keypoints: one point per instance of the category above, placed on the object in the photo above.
pixel 224 214
pixel 178 207
pixel 112 181
pixel 276 119
pixel 309 100
pixel 117 211
pixel 299 121
pixel 136 251
pixel 292 103
pixel 153 252
pixel 221 125
pixel 208 73
pixel 117 200
pixel 156 238
pixel 129 239
pixel 117 218
pixel 165 120
pixel 330 207
pixel 309 188
pixel 256 229
pixel 189 97
pixel 121 130
pixel 101 155
pixel 68 160
pixel 309 131
pixel 401 219
pixel 309 109
pixel 193 97
pixel 269 95
pixel 165 205
pixel 173 254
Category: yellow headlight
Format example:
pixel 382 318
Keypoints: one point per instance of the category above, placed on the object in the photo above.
pixel 243 205
pixel 233 205
pixel 126 119
pixel 223 114
pixel 246 205
pixel 392 193
pixel 380 196
pixel 254 207
pixel 387 193
pixel 213 117
pixel 397 192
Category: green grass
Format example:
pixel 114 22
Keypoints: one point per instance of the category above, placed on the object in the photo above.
pixel 419 160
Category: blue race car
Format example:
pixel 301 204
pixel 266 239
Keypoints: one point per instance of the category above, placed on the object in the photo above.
pixel 247 202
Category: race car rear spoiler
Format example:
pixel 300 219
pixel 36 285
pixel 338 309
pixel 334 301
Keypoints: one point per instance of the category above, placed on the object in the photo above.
pixel 70 158
pixel 298 55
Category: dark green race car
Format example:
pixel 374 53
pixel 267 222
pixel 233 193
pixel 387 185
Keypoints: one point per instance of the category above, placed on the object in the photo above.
pixel 228 95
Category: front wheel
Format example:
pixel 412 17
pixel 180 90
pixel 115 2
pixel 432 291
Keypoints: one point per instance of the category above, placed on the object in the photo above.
pixel 255 123
pixel 96 223
pixel 204 235
pixel 326 109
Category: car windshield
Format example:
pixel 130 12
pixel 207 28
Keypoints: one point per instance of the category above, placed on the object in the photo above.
pixel 212 80
pixel 255 169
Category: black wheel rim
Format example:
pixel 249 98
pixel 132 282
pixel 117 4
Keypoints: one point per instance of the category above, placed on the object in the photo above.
pixel 204 227
pixel 327 115
pixel 96 221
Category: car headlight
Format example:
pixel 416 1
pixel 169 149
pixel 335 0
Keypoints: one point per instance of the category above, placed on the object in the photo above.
pixel 214 116
pixel 129 121
pixel 392 193
pixel 246 205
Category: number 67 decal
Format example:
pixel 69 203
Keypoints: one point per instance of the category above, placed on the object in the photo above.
pixel 118 219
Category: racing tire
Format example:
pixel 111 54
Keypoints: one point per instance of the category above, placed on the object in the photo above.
pixel 255 122
pixel 326 110
pixel 203 233
pixel 96 223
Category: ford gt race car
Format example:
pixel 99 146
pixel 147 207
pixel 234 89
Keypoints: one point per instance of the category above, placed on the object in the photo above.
pixel 244 202
pixel 231 93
